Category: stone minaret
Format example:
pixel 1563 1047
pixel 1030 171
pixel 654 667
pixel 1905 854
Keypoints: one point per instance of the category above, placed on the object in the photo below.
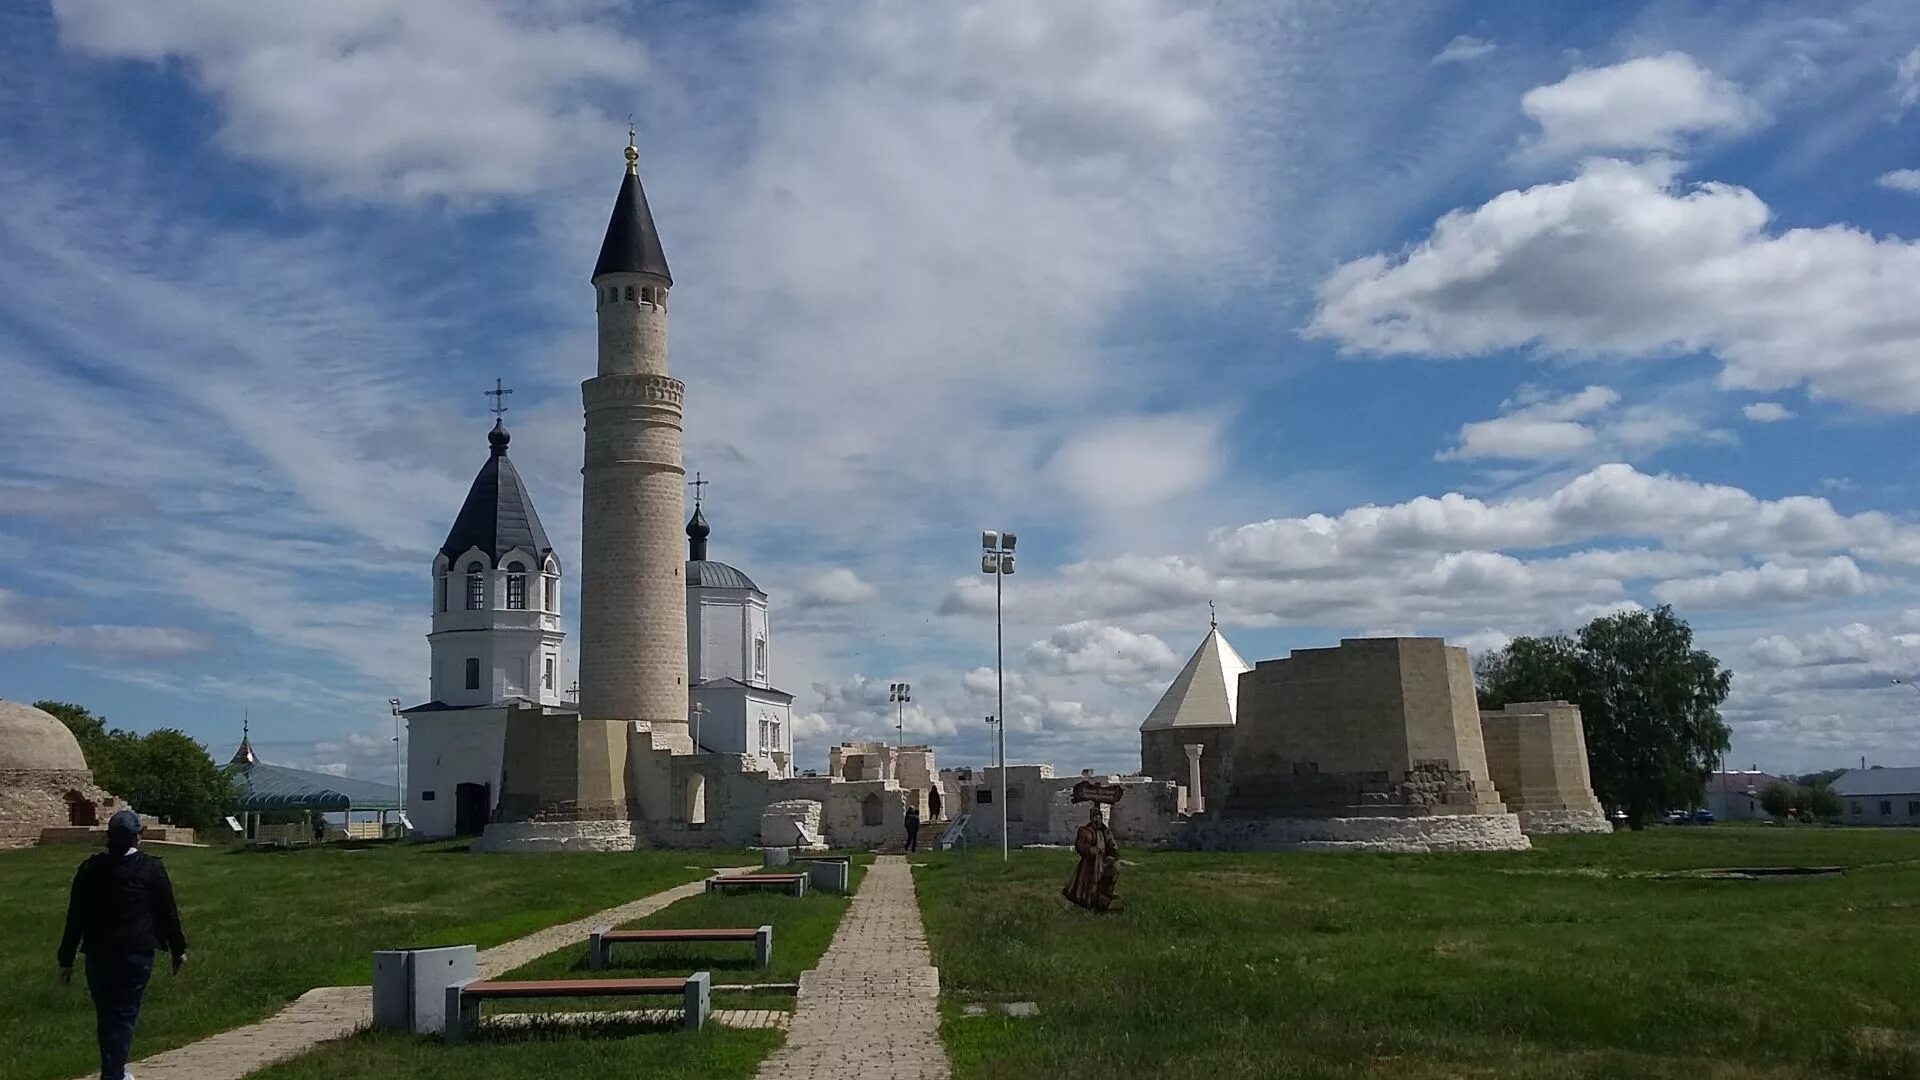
pixel 633 599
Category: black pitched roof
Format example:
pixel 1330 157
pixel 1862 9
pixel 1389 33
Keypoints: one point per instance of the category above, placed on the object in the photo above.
pixel 498 514
pixel 632 244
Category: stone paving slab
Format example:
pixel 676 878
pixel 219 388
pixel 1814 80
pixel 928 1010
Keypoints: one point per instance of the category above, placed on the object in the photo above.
pixel 872 1007
pixel 334 1012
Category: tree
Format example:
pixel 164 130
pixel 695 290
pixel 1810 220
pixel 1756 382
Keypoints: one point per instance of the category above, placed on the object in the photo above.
pixel 163 773
pixel 1649 701
pixel 1777 799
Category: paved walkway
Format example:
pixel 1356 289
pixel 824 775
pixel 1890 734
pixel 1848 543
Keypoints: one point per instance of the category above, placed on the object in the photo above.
pixel 334 1012
pixel 872 1007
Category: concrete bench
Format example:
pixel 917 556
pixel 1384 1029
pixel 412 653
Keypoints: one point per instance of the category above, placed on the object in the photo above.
pixel 600 945
pixel 464 998
pixel 794 883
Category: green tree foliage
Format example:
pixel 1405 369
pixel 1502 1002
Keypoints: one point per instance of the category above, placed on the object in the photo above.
pixel 1649 700
pixel 1800 800
pixel 163 773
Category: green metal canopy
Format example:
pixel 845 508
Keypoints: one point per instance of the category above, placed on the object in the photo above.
pixel 276 787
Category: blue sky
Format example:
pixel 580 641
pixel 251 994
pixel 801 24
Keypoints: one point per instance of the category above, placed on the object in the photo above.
pixel 1352 317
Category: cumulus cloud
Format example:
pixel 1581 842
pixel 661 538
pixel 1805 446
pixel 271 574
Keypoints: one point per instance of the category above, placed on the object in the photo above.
pixel 1620 261
pixel 1463 49
pixel 1768 583
pixel 1906 81
pixel 1589 424
pixel 384 101
pixel 1766 412
pixel 1648 103
pixel 1114 654
pixel 839 587
pixel 1907 180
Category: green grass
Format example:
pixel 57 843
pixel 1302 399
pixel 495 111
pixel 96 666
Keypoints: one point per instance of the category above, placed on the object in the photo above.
pixel 1587 957
pixel 264 927
pixel 561 1053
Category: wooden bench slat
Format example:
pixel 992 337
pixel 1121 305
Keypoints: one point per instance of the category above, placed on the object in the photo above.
pixel 688 934
pixel 759 879
pixel 574 988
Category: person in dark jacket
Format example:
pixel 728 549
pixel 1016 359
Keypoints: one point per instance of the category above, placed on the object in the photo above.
pixel 120 912
pixel 913 828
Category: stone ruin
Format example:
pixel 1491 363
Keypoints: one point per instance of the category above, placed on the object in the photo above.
pixel 1537 756
pixel 45 785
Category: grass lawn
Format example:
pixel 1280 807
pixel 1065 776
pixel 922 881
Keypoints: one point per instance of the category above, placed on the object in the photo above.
pixel 264 927
pixel 1588 957
pixel 713 1053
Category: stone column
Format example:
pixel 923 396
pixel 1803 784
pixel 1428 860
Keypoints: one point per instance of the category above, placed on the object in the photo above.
pixel 1196 802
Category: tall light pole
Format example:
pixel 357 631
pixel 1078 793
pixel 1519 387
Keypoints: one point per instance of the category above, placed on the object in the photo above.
pixel 698 711
pixel 900 694
pixel 996 558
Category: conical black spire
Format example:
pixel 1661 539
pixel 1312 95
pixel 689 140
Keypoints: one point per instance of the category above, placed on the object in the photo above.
pixel 697 532
pixel 498 514
pixel 632 244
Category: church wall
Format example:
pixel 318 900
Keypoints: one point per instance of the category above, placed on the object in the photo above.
pixel 724 727
pixel 445 750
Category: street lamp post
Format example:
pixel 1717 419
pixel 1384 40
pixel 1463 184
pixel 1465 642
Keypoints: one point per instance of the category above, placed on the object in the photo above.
pixel 697 712
pixel 900 694
pixel 399 777
pixel 996 558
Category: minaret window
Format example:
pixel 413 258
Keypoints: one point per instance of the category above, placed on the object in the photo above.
pixel 473 673
pixel 516 586
pixel 476 587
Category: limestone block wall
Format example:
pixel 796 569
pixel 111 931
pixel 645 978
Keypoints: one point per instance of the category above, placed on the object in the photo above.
pixel 1375 726
pixel 32 800
pixel 1537 756
pixel 1163 756
pixel 562 767
pixel 1412 835
pixel 790 822
pixel 1029 810
pixel 1147 816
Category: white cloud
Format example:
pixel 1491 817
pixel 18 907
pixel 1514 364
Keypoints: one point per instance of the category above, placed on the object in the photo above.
pixel 1586 424
pixel 1766 412
pixel 1464 49
pixel 1907 180
pixel 839 587
pixel 1137 462
pixel 25 624
pixel 1648 103
pixel 1116 655
pixel 1769 583
pixel 1617 262
pixel 1906 81
pixel 379 100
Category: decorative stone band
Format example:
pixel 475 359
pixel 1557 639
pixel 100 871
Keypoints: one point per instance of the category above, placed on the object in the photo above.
pixel 1551 822
pixel 628 391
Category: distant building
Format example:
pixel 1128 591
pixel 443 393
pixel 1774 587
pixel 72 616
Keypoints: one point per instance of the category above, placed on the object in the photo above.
pixel 1879 796
pixel 1735 796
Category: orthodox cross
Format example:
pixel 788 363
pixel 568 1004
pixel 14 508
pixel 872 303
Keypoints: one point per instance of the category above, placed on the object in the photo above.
pixel 696 484
pixel 499 395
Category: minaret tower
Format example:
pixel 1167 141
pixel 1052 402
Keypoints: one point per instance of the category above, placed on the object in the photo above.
pixel 633 602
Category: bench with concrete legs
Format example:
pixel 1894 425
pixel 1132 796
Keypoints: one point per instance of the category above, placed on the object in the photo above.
pixel 464 998
pixel 600 945
pixel 794 883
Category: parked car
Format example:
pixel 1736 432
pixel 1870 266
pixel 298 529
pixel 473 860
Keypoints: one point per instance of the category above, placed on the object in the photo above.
pixel 1703 816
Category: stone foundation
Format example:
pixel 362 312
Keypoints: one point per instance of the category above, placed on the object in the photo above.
pixel 1402 835
pixel 1559 822
pixel 536 837
pixel 782 825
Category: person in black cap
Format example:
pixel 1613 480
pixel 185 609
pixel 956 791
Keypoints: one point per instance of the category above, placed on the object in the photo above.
pixel 120 911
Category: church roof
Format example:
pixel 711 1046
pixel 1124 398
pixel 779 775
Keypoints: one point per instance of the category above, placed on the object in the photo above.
pixel 1206 693
pixel 726 681
pixel 498 514
pixel 632 244
pixel 716 575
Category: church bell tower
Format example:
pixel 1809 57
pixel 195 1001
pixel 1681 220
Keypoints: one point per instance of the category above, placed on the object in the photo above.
pixel 633 603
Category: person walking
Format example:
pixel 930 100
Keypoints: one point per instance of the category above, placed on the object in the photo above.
pixel 119 913
pixel 913 828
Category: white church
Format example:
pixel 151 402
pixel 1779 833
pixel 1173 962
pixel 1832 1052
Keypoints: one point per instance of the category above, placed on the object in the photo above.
pixel 496 646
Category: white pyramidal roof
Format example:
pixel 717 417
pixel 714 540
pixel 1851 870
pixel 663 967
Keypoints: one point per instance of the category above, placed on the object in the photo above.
pixel 1206 693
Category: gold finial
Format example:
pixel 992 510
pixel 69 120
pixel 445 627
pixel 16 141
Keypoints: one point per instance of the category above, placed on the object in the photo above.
pixel 633 152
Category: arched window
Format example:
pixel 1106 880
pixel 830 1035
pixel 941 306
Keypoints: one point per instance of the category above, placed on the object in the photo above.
pixel 629 292
pixel 516 586
pixel 473 673
pixel 476 586
pixel 870 812
pixel 553 595
pixel 440 593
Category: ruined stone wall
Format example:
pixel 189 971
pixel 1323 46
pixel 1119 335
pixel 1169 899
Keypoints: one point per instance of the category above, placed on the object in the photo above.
pixel 41 799
pixel 562 767
pixel 1163 755
pixel 1537 755
pixel 1374 727
pixel 1147 816
pixel 1411 835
